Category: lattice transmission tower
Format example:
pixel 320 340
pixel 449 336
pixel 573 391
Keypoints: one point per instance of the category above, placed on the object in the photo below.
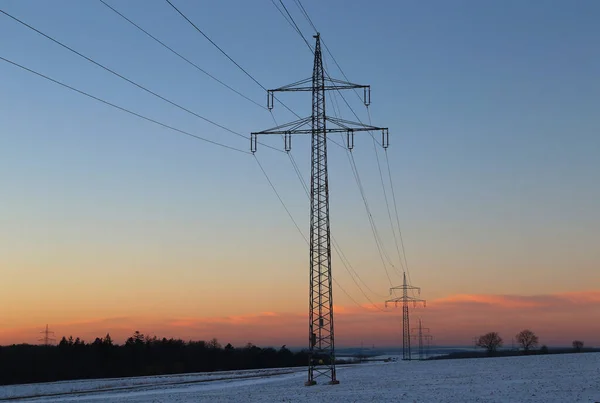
pixel 422 335
pixel 320 323
pixel 47 339
pixel 405 299
pixel 428 340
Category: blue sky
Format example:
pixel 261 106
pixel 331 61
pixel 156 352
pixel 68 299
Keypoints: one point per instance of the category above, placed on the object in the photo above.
pixel 493 110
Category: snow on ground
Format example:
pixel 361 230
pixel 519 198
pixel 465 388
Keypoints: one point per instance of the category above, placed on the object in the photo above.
pixel 132 383
pixel 544 378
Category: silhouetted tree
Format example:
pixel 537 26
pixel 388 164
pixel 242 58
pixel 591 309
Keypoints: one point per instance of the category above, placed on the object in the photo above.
pixel 107 340
pixel 544 349
pixel 490 341
pixel 214 343
pixel 578 345
pixel 63 342
pixel 527 339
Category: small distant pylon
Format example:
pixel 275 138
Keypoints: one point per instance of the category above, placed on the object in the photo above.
pixel 47 339
pixel 428 338
pixel 420 336
pixel 405 299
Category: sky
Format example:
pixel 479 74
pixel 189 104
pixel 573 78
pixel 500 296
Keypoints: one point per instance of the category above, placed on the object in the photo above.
pixel 109 223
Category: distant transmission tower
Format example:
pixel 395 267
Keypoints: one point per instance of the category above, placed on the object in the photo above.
pixel 428 338
pixel 320 323
pixel 405 299
pixel 47 339
pixel 420 337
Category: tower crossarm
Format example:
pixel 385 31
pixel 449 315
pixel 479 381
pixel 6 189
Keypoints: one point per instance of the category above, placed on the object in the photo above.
pixel 304 126
pixel 324 84
pixel 405 299
pixel 329 84
pixel 295 127
pixel 405 287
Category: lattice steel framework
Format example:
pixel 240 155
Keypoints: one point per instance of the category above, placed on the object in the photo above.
pixel 320 313
pixel 428 339
pixel 405 299
pixel 420 337
pixel 47 339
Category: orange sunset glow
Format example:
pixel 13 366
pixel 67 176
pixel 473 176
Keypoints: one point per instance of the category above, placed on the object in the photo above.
pixel 557 318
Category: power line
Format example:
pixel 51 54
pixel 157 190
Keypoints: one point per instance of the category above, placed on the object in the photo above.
pixel 307 16
pixel 405 264
pixel 233 61
pixel 188 134
pixel 387 205
pixel 215 45
pixel 345 262
pixel 159 96
pixel 259 84
pixel 127 79
pixel 397 216
pixel 304 237
pixel 279 197
pixel 284 15
pixel 375 232
pixel 181 56
pixel 341 255
pixel 182 132
pixel 296 26
pixel 121 108
pixel 352 299
pixel 303 10
pixel 378 241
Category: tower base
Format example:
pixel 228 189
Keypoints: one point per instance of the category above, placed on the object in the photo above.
pixel 334 382
pixel 310 383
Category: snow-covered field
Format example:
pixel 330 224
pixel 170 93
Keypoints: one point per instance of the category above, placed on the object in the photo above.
pixel 546 378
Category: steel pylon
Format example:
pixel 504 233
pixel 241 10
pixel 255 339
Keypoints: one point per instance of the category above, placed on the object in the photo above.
pixel 320 313
pixel 421 336
pixel 47 339
pixel 405 299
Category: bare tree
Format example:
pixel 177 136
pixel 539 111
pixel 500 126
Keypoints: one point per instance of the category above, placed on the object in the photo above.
pixel 578 345
pixel 490 341
pixel 527 339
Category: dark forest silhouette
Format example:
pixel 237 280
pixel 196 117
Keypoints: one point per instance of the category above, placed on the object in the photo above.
pixel 139 356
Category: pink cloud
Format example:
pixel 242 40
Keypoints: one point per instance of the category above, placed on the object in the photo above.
pixel 556 318
pixel 455 320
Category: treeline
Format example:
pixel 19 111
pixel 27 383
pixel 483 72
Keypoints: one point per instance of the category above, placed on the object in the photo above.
pixel 526 340
pixel 513 353
pixel 139 356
